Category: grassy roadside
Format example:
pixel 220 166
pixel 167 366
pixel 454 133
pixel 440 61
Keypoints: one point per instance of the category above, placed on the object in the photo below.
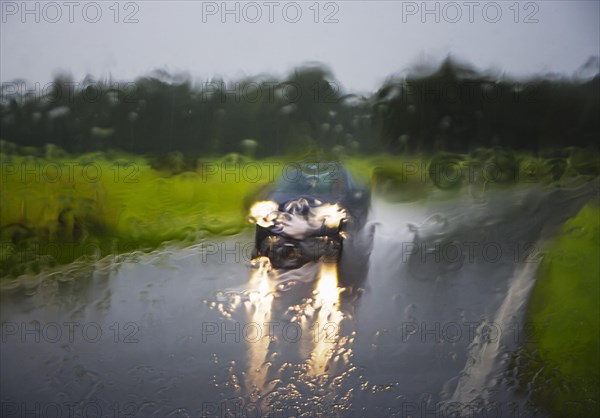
pixel 57 208
pixel 560 362
pixel 416 177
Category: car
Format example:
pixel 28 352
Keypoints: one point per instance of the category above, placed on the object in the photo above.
pixel 307 214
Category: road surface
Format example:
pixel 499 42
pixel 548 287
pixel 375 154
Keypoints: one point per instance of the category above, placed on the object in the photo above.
pixel 430 313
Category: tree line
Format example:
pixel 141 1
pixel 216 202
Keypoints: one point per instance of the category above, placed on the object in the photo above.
pixel 452 108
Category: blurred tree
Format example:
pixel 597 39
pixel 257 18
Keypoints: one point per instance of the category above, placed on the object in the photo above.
pixel 452 108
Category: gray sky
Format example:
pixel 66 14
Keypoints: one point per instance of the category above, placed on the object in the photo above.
pixel 370 40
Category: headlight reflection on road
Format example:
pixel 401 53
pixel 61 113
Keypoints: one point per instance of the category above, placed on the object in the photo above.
pixel 320 321
pixel 325 330
pixel 261 298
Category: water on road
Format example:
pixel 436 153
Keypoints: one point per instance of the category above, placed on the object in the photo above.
pixel 420 318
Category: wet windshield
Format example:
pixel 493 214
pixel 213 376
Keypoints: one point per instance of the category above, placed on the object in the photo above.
pixel 308 209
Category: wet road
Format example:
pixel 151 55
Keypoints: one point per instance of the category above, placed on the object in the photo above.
pixel 420 319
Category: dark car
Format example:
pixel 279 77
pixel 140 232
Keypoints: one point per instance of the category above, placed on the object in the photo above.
pixel 306 215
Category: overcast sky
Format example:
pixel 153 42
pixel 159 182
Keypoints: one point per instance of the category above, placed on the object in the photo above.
pixel 363 43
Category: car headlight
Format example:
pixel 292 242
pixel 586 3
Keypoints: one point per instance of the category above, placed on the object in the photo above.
pixel 264 213
pixel 329 214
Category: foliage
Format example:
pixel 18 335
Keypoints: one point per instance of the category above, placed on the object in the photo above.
pixel 56 210
pixel 161 114
pixel 457 109
pixel 560 364
pixel 453 109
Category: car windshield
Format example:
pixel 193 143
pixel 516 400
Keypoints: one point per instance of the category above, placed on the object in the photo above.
pixel 319 183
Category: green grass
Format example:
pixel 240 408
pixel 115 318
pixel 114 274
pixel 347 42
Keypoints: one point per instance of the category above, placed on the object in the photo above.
pixel 57 208
pixel 50 219
pixel 561 362
pixel 446 175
